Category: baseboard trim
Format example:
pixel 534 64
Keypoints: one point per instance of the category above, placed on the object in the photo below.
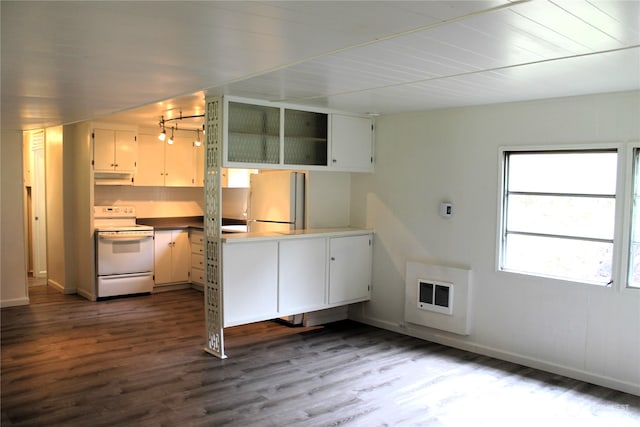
pixel 55 285
pixel 14 302
pixel 87 295
pixel 496 353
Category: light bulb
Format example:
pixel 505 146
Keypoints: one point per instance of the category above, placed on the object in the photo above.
pixel 163 135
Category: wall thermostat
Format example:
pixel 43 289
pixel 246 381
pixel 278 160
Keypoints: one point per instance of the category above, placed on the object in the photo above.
pixel 446 210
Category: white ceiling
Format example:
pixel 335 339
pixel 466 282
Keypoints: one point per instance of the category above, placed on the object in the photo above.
pixel 64 62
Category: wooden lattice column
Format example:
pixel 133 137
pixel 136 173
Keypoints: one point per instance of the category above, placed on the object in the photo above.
pixel 212 231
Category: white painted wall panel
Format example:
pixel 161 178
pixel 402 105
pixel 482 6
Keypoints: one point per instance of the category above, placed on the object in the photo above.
pixel 13 266
pixel 424 158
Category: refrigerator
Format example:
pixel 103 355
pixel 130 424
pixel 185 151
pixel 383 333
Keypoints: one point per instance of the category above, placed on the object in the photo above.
pixel 276 201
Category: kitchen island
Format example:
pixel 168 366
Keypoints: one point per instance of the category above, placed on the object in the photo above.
pixel 268 275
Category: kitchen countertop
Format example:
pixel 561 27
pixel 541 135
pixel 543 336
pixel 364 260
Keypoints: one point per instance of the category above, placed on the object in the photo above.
pixel 293 234
pixel 173 223
pixel 197 222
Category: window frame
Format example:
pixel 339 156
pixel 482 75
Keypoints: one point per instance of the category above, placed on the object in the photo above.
pixel 622 215
pixel 633 150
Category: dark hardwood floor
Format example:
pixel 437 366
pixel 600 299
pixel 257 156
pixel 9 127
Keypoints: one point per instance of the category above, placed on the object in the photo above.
pixel 139 362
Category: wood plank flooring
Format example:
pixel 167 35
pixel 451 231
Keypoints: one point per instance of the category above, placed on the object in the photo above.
pixel 139 361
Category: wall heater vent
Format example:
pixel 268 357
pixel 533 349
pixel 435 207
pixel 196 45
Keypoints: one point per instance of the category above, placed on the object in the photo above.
pixel 430 299
pixel 435 296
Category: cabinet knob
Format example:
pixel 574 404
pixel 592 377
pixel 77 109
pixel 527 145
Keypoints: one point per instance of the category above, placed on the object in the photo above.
pixel 333 258
pixel 334 161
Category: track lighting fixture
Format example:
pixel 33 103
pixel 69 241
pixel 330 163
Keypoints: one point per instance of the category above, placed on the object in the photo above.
pixel 163 133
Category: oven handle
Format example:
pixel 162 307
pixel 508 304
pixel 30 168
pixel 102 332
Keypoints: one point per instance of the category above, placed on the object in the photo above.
pixel 125 238
pixel 125 276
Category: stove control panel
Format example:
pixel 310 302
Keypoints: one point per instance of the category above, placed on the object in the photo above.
pixel 114 211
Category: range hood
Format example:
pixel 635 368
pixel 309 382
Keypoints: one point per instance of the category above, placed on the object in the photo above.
pixel 113 178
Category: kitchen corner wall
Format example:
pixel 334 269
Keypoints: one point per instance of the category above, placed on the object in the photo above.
pixel 13 265
pixel 153 202
pixel 424 158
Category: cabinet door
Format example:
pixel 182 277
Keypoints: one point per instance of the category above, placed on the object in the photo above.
pixel 150 169
pixel 172 261
pixel 250 281
pixel 103 150
pixel 253 134
pixel 302 271
pixel 162 269
pixel 126 151
pixel 351 143
pixel 180 256
pixel 349 269
pixel 305 138
pixel 198 154
pixel 178 164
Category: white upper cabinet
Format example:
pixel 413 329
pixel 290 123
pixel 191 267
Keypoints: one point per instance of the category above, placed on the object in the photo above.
pixel 251 135
pixel 171 165
pixel 151 164
pixel 305 138
pixel 351 143
pixel 262 135
pixel 114 150
pixel 179 164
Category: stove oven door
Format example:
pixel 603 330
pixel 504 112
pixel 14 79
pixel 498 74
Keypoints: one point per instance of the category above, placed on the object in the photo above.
pixel 124 253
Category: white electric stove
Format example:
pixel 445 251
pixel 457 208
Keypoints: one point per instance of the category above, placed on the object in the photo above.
pixel 124 252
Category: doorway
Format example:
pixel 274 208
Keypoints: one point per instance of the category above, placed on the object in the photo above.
pixel 36 206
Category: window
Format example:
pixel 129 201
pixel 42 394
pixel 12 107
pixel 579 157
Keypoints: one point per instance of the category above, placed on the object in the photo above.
pixel 558 214
pixel 634 249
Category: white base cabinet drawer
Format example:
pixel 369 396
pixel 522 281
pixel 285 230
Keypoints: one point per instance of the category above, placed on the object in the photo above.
pixel 197 261
pixel 196 238
pixel 197 276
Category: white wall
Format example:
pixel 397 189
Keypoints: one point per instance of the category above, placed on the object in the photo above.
pixel 424 158
pixel 13 267
pixel 153 202
pixel 328 195
pixel 78 188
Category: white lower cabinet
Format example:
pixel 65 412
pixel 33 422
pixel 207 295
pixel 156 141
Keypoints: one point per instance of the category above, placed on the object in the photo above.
pixel 250 280
pixel 350 269
pixel 172 259
pixel 302 282
pixel 266 279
